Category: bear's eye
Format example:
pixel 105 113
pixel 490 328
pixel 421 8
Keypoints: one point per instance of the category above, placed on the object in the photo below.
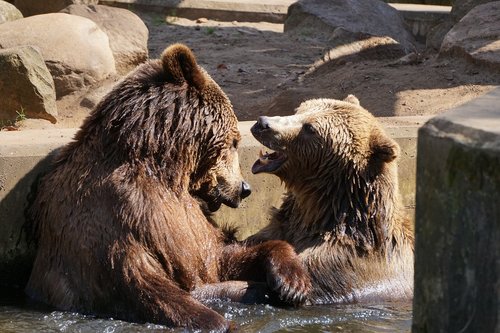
pixel 309 128
pixel 235 144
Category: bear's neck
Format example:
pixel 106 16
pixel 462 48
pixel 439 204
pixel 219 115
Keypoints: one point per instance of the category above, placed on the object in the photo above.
pixel 360 207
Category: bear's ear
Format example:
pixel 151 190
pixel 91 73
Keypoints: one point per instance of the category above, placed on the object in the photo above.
pixel 383 148
pixel 179 64
pixel 352 99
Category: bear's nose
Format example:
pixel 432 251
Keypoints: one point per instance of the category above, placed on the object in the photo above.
pixel 263 121
pixel 245 190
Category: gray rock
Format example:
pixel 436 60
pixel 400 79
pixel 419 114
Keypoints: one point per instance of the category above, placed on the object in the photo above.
pixel 128 35
pixel 437 33
pixel 75 49
pixel 461 7
pixel 343 21
pixel 457 227
pixel 478 43
pixel 9 12
pixel 26 86
pixel 35 7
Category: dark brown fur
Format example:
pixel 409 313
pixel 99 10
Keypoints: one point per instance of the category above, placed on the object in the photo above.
pixel 120 221
pixel 342 212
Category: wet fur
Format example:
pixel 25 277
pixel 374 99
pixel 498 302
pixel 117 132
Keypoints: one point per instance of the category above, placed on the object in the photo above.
pixel 342 212
pixel 120 219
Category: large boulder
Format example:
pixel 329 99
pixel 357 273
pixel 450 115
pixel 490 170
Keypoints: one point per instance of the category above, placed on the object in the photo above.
pixel 35 7
pixel 478 43
pixel 9 12
pixel 344 21
pixel 26 86
pixel 462 7
pixel 129 49
pixel 75 49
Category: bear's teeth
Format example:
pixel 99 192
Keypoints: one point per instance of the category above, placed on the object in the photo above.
pixel 263 158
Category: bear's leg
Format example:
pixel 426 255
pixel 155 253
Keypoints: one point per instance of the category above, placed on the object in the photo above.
pixel 154 297
pixel 274 262
pixel 246 292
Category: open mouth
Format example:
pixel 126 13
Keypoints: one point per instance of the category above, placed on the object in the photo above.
pixel 214 204
pixel 269 162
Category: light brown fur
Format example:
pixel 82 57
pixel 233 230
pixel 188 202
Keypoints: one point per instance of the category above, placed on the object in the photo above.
pixel 342 212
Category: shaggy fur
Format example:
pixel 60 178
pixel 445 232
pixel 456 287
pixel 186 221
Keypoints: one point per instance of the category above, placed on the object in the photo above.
pixel 121 219
pixel 342 212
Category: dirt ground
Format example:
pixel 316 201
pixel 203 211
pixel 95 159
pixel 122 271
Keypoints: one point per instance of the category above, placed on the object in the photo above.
pixel 267 72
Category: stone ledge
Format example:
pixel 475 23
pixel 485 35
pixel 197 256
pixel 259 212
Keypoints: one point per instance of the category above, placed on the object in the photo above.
pixel 419 17
pixel 26 154
pixel 223 10
pixel 457 227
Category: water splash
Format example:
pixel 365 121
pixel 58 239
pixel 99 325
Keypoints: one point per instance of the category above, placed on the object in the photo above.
pixel 19 315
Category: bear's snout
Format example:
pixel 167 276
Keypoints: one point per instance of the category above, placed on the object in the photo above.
pixel 246 190
pixel 262 128
pixel 263 122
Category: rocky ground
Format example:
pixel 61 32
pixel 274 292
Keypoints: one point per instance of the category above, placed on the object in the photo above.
pixel 267 72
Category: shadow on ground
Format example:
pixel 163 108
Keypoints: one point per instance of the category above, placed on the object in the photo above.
pixel 263 70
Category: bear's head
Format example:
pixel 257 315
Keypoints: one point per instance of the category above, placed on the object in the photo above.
pixel 212 132
pixel 339 168
pixel 172 121
pixel 330 141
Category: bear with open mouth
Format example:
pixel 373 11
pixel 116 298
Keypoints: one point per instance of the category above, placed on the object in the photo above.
pixel 342 211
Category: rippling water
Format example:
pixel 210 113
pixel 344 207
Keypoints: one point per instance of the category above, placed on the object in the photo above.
pixel 18 315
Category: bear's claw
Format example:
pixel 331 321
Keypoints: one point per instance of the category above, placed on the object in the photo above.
pixel 290 281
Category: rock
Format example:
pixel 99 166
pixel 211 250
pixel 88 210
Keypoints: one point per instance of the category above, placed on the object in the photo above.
pixel 129 49
pixel 457 249
pixel 26 86
pixel 35 7
pixel 75 49
pixel 462 7
pixel 9 12
pixel 344 21
pixel 436 34
pixel 478 43
pixel 90 99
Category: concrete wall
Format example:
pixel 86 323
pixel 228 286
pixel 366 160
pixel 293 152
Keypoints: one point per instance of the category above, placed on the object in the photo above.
pixel 25 154
pixel 457 259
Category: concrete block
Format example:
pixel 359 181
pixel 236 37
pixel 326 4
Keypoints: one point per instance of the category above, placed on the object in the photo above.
pixel 24 155
pixel 457 227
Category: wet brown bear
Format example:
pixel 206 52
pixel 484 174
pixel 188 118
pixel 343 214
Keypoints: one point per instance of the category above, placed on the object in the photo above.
pixel 120 221
pixel 342 211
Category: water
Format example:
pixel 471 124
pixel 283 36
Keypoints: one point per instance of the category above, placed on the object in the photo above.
pixel 19 315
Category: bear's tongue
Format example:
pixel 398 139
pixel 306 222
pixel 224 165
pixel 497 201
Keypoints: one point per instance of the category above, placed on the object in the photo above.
pixel 268 162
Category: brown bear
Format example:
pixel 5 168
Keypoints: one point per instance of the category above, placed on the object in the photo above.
pixel 122 219
pixel 342 210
